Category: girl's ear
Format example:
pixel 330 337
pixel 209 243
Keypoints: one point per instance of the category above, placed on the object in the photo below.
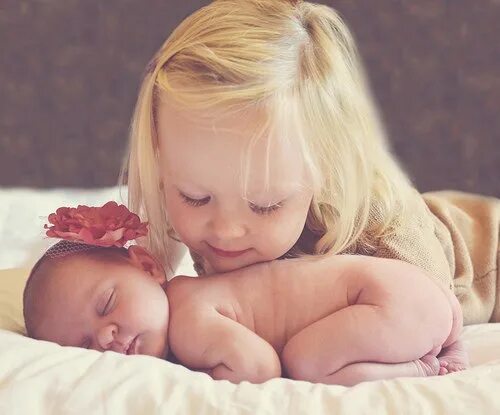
pixel 142 259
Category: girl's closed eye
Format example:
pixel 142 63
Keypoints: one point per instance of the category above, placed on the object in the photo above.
pixel 260 210
pixel 193 201
pixel 265 210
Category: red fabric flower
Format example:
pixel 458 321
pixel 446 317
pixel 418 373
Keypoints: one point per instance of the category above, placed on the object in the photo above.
pixel 109 225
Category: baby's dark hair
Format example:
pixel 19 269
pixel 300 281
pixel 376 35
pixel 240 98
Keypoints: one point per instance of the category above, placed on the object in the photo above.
pixel 45 267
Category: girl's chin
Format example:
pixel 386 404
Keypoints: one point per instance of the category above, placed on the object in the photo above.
pixel 228 265
pixel 217 270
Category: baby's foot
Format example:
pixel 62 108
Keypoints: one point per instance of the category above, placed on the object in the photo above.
pixel 427 365
pixel 453 358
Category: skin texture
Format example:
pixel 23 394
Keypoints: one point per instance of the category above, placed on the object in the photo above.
pixel 213 203
pixel 105 306
pixel 358 322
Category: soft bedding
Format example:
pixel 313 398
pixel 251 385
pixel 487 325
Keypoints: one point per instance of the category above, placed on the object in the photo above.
pixel 43 378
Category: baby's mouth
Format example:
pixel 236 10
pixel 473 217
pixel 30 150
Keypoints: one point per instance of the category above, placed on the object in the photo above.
pixel 131 347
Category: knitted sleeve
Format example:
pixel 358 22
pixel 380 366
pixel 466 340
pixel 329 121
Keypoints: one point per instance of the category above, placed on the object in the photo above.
pixel 421 240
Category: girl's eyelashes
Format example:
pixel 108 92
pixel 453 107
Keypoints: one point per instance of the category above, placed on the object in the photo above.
pixel 260 210
pixel 265 210
pixel 194 202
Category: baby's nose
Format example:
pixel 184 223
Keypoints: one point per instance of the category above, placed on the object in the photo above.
pixel 106 336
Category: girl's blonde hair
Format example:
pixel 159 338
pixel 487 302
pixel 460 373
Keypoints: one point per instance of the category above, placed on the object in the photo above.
pixel 298 62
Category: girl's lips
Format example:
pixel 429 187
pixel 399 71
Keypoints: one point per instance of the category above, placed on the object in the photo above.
pixel 228 254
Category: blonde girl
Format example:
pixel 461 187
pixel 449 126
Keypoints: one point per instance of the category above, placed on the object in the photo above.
pixel 255 138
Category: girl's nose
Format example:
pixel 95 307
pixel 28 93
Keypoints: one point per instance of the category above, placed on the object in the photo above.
pixel 106 335
pixel 228 227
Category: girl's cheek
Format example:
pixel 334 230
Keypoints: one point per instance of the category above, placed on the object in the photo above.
pixel 177 210
pixel 187 224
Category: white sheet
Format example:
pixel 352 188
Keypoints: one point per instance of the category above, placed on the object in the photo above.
pixel 44 378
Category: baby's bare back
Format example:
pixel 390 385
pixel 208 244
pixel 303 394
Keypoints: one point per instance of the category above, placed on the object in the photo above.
pixel 277 301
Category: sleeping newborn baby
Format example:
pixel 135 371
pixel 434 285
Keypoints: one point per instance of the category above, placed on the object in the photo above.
pixel 253 324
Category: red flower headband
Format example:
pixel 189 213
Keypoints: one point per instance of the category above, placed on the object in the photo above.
pixel 108 225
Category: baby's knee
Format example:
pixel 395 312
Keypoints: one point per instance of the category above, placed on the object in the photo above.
pixel 298 364
pixel 300 369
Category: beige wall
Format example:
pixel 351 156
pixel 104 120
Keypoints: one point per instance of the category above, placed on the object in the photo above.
pixel 69 72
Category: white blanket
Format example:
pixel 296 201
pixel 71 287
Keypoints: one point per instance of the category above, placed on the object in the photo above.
pixel 43 378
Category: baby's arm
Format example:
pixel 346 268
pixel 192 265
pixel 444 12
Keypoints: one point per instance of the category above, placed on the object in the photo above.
pixel 223 348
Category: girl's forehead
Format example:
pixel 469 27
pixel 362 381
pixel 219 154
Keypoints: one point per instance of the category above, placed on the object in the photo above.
pixel 177 126
pixel 234 145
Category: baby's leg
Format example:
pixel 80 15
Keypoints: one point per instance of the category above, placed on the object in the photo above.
pixel 360 333
pixel 454 356
pixel 355 373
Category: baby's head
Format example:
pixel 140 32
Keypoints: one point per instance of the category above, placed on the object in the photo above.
pixel 102 298
pixel 271 86
pixel 98 298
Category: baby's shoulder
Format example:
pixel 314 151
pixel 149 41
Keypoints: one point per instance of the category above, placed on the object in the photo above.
pixel 193 314
pixel 194 297
pixel 184 293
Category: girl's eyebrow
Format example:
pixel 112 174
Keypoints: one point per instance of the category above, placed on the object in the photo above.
pixel 282 192
pixel 189 185
pixel 282 187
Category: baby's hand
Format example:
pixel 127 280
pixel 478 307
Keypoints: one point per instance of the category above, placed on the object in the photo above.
pixel 225 349
pixel 258 373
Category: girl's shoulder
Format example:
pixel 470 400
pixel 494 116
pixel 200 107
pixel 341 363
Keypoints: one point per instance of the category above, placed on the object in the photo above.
pixel 422 209
pixel 440 231
pixel 473 203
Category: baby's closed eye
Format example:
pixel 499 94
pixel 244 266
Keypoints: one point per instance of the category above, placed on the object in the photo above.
pixel 107 302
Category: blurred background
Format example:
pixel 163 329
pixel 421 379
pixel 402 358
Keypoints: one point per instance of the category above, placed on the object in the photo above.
pixel 70 71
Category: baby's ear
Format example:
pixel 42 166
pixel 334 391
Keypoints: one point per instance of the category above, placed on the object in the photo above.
pixel 142 259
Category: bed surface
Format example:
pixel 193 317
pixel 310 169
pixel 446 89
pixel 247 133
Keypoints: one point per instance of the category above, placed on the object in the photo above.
pixel 44 378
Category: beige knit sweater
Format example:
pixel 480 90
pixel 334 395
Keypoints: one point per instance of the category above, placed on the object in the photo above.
pixel 454 237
